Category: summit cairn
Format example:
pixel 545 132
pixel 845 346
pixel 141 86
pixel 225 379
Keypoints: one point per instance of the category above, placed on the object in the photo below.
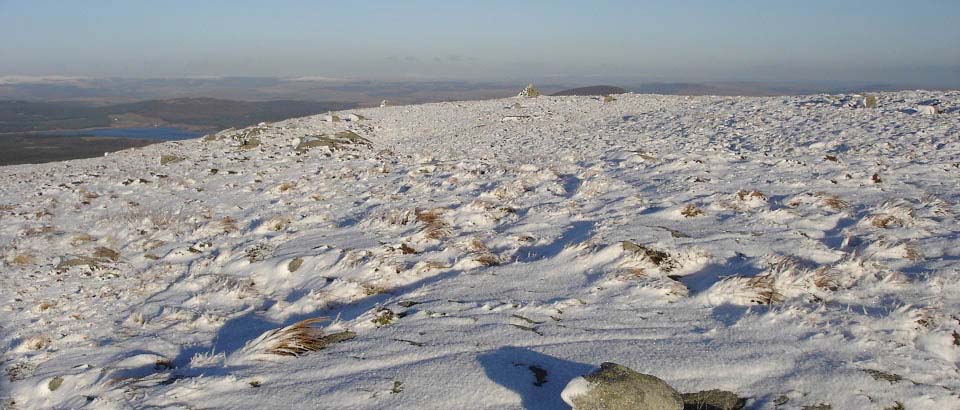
pixel 529 92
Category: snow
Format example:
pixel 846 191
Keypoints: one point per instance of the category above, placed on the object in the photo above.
pixel 487 253
pixel 577 387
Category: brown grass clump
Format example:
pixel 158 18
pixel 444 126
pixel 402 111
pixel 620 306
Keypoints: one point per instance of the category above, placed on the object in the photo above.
pixel 435 226
pixel 691 211
pixel 23 259
pixel 286 186
pixel 763 285
pixel 661 259
pixel 831 201
pixel 487 259
pixel 297 339
pixel 104 252
pixel 885 221
pixel 228 224
pixel 826 279
pixel 424 266
pixel 80 239
pixel 911 253
pixel 370 289
pixel 476 245
pixel 747 195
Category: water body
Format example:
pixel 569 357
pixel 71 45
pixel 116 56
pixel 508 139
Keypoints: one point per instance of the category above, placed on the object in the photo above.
pixel 155 133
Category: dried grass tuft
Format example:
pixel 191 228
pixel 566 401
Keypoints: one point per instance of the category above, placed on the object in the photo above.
pixel 691 211
pixel 831 201
pixel 435 227
pixel 487 259
pixel 766 292
pixel 826 279
pixel 910 252
pixel 295 340
pixel 23 259
pixel 748 195
pixel 228 224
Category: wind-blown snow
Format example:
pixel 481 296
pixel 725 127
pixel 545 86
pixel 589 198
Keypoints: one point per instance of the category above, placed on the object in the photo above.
pixel 794 250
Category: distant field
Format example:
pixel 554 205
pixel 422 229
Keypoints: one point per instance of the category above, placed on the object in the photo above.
pixel 31 149
pixel 185 113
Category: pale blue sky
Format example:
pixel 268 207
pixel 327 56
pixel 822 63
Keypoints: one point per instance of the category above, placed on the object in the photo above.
pixel 671 40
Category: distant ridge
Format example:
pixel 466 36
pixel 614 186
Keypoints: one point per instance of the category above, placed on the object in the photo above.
pixel 592 90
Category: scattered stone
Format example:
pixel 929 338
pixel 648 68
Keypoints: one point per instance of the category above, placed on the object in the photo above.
pixel 91 263
pixel 55 383
pixel 870 101
pixel 250 143
pixel 385 103
pixel 881 375
pixel 410 342
pixel 529 92
pixel 295 264
pixel 337 142
pixel 106 253
pixel 383 316
pixel 607 99
pixel 616 387
pixel 928 109
pixel 712 400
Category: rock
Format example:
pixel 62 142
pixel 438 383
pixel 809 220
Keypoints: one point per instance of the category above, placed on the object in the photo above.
pixel 928 109
pixel 105 253
pixel 169 159
pixel 529 92
pixel 870 101
pixel 55 383
pixel 250 143
pixel 339 141
pixel 712 400
pixel 385 103
pixel 607 98
pixel 616 387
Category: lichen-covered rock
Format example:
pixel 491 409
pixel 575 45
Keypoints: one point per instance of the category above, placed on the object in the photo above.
pixel 712 400
pixel 529 92
pixel 616 387
pixel 169 159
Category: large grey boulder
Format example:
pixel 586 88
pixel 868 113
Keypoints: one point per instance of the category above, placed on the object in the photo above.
pixel 616 387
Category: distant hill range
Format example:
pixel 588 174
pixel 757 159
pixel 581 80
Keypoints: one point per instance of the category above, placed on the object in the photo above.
pixel 592 90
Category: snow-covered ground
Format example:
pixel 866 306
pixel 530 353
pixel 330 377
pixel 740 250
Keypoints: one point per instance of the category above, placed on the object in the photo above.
pixel 794 250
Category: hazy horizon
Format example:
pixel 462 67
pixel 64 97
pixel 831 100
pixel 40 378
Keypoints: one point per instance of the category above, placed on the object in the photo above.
pixel 750 40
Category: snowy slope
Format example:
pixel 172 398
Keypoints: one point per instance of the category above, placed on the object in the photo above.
pixel 794 250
